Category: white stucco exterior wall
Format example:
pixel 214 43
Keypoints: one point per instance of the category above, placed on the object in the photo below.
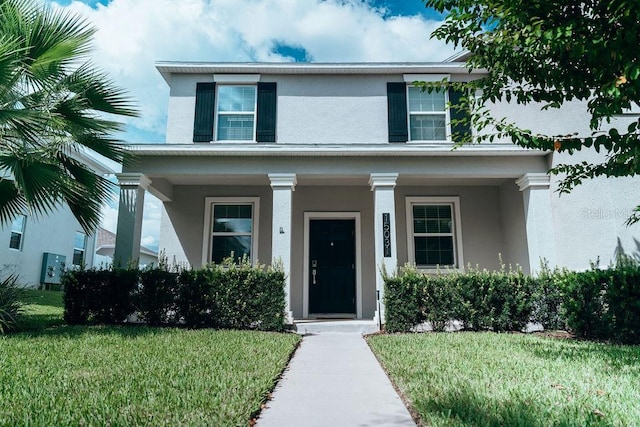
pixel 589 222
pixel 182 104
pixel 339 110
pixel 54 233
pixel 309 108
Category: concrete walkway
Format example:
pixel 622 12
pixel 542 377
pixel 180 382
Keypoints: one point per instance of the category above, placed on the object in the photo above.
pixel 334 380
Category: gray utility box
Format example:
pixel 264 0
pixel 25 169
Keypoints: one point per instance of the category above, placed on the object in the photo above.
pixel 53 266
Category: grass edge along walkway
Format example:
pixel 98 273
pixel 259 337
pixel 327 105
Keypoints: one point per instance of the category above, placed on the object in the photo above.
pixel 464 379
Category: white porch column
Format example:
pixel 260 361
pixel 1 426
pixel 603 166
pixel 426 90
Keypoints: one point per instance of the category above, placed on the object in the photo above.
pixel 538 218
pixel 129 231
pixel 383 185
pixel 283 184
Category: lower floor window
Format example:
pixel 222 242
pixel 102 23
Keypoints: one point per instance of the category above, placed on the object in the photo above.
pixel 79 248
pixel 433 231
pixel 17 232
pixel 233 229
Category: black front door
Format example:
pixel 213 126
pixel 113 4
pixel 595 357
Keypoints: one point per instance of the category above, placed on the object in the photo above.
pixel 332 273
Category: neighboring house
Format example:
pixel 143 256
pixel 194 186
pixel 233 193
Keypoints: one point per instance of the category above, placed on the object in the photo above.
pixel 39 249
pixel 339 169
pixel 105 245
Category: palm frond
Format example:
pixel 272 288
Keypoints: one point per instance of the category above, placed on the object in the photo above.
pixel 53 102
pixel 12 203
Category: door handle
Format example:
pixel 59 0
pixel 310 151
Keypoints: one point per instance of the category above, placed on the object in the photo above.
pixel 313 274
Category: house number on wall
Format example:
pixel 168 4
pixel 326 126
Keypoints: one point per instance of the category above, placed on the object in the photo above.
pixel 386 234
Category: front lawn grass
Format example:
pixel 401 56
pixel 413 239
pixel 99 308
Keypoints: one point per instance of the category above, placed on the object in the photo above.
pixel 42 309
pixel 486 379
pixel 57 375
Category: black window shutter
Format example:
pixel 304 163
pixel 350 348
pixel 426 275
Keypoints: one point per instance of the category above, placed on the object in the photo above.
pixel 460 131
pixel 397 109
pixel 205 104
pixel 266 112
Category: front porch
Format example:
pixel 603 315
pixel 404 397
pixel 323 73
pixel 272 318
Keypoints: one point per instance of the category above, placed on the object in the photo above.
pixel 332 224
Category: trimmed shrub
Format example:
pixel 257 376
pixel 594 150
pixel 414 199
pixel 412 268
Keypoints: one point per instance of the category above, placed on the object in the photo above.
pixel 232 296
pixel 604 304
pixel 623 298
pixel 10 304
pixel 401 300
pixel 99 296
pixel 481 300
pixel 156 299
pixel 196 297
pixel 256 298
pixel 439 297
pixel 548 300
pixel 220 296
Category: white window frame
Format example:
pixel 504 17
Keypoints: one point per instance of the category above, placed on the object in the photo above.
pixel 454 202
pixel 208 224
pixel 21 233
pixel 447 119
pixel 75 248
pixel 254 113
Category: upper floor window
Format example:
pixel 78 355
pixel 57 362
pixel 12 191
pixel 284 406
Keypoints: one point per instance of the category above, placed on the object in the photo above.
pixel 427 114
pixel 416 115
pixel 236 113
pixel 17 232
pixel 79 248
pixel 235 110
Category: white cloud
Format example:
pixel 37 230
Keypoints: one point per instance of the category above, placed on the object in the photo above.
pixel 151 222
pixel 133 34
pixel 109 218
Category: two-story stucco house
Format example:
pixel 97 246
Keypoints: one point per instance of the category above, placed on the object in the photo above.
pixel 338 169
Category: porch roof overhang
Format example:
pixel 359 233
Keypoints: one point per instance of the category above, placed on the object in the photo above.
pixel 329 150
pixel 169 165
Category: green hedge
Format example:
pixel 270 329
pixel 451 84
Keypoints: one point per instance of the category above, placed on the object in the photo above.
pixel 604 304
pixel 99 296
pixel 595 304
pixel 218 296
pixel 480 300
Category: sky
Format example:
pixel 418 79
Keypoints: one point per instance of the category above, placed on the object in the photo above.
pixel 132 35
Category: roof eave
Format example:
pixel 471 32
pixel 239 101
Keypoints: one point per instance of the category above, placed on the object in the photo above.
pixel 166 68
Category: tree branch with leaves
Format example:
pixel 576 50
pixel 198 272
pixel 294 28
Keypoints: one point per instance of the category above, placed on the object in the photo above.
pixel 555 52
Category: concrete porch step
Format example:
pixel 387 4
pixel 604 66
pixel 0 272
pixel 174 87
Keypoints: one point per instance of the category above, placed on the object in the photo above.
pixel 315 326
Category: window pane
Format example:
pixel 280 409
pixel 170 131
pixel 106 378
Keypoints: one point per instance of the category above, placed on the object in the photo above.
pixel 424 101
pixel 236 98
pixel 16 239
pixel 80 241
pixel 78 257
pixel 437 250
pixel 432 219
pixel 235 127
pixel 427 127
pixel 232 218
pixel 223 246
pixel 18 224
